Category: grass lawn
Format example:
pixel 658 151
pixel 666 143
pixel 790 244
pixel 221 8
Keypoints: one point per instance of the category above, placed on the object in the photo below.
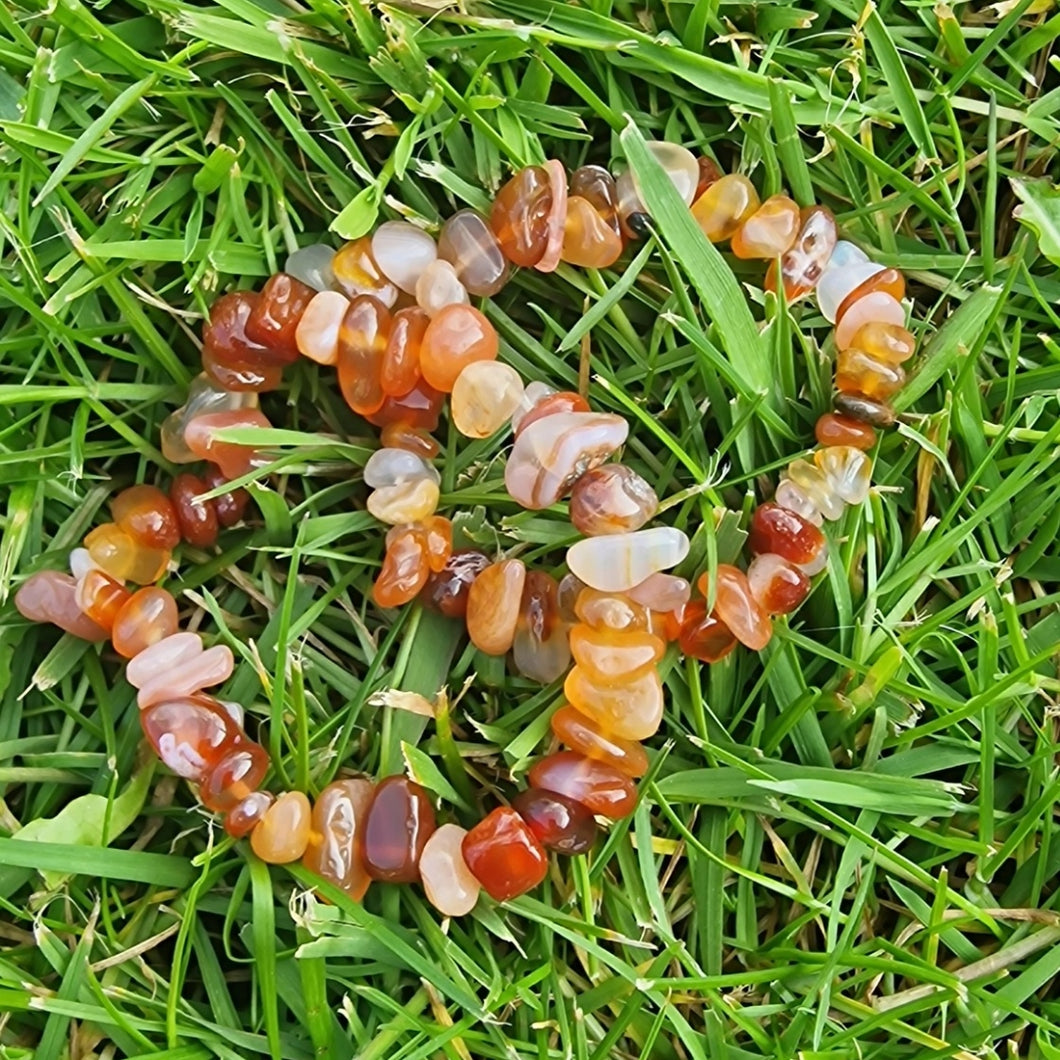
pixel 845 849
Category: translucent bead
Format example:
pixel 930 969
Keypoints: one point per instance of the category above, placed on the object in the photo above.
pixel 204 396
pixel 80 563
pixel 520 217
pixel 394 467
pixel 438 287
pixel 879 307
pixel 402 251
pixel 234 459
pixel 857 372
pixel 838 280
pixel 241 820
pixel 190 735
pixel 177 666
pixel 591 781
pixel 467 242
pixel 197 519
pixel 399 823
pixel 147 515
pixel 456 337
pixel 493 605
pixel 540 650
pixel 709 173
pixel 785 532
pixel 252 376
pixel 282 834
pixel 794 498
pixel 631 709
pixel 735 605
pixel 448 590
pixel 335 850
pixel 485 395
pixel 886 342
pixel 114 551
pixel 400 368
pixel 317 333
pixel 234 778
pixel 632 213
pixel 608 610
pixel 312 266
pixel 680 165
pixel 813 482
pixel 412 439
pixel 619 561
pixel 612 499
pixel 408 503
pixel 588 241
pixel 540 400
pixel 835 429
pixel 725 206
pixel 597 187
pixel 552 453
pixel 558 822
pixel 224 335
pixel 448 883
pixel 769 231
pixel 704 636
pixel 609 655
pixel 357 272
pixel 147 617
pixel 50 596
pixel 890 281
pixel 661 592
pixel 504 855
pixel 100 597
pixel 777 585
pixel 273 322
pixel 848 471
pixel 556 218
pixel 405 567
pixel 580 733
pixel 802 266
pixel 859 407
pixel 229 506
pixel 362 343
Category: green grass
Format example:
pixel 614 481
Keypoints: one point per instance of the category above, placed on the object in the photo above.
pixel 846 848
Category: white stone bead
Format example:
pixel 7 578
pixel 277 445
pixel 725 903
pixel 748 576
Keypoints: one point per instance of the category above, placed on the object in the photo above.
pixel 838 280
pixel 447 881
pixel 81 563
pixel 317 333
pixel 534 392
pixel 439 286
pixel 393 467
pixel 680 165
pixel 402 251
pixel 617 562
pixel 797 500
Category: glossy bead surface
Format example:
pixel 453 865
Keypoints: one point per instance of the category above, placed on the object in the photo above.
pixel 680 165
pixel 234 777
pixel 802 266
pixel 114 551
pixel 402 251
pixel 591 781
pixel 448 590
pixel 148 616
pixel 197 519
pixel 273 322
pixel 619 561
pixel 886 342
pixel 485 395
pixel 281 835
pixel 456 337
pixel 601 610
pixel 407 503
pixel 395 467
pixel 448 883
pixel 737 608
pixel 493 605
pixel 661 592
pixel 357 272
pixel 835 429
pixel 204 396
pixel 796 499
pixel 589 242
pixel 879 307
pixel 50 596
pixel 240 820
pixel 177 666
pixel 317 332
pixel 467 242
pixel 632 213
pixel 439 286
pixel 539 401
pixel 399 370
pixel 890 281
pixel 553 452
pixel 612 499
pixel 438 534
pixel 770 231
pixel 231 505
pixel 234 459
pixel 556 218
pixel 311 265
pixel 859 407
pixel 224 336
pixel 582 734
pixel 411 439
pixel 709 173
pixel 100 597
pixel 704 636
pixel 631 708
pixel 400 821
pixel 780 530
pixel 847 470
pixel 335 850
pixel 814 484
pixel 190 734
pixel 612 655
pixel 859 373
pixel 597 187
pixel 840 278
pixel 520 216
pixel 405 567
pixel 540 650
pixel 777 585
pixel 725 206
pixel 362 343
pixel 559 823
pixel 504 855
pixel 251 376
pixel 147 515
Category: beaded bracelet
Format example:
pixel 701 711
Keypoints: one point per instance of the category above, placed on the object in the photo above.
pixel 392 313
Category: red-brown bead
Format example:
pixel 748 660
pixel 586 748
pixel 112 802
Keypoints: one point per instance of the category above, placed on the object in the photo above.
pixel 704 637
pixel 197 519
pixel 399 823
pixel 590 781
pixel 559 823
pixel 229 506
pixel 447 591
pixel 833 428
pixel 788 534
pixel 504 855
pixel 273 321
pixel 147 515
pixel 234 777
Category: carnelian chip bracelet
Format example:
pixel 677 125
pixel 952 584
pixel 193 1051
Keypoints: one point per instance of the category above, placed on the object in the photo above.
pixel 391 312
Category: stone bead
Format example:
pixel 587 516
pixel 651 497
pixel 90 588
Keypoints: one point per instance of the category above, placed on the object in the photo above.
pixel 889 280
pixel 770 231
pixel 796 499
pixel 559 823
pixel 709 173
pixel 859 407
pixel 885 342
pixel 802 266
pixel 114 551
pixel 147 617
pixel 681 167
pixel 485 395
pixel 335 850
pixel 540 401
pixel 100 597
pixel 312 266
pixel 879 307
pixel 229 506
pixel 80 563
pixel 847 470
pixel 632 213
pixel 612 499
pixel 860 373
pixel 785 532
pixel 837 281
pixel 631 709
pixel 661 592
pixel 610 655
pixel 177 666
pixel 553 452
pixel 273 322
pixel 400 821
pixel 439 286
pixel 411 439
pixel 504 855
pixel 493 605
pixel 737 608
pixel 241 820
pixel 540 650
pixel 395 467
pixel 608 610
pixel 147 515
pixel 520 216
pixel 567 593
pixel 704 636
pixel 448 883
pixel 242 376
pixel 234 778
pixel 448 590
pixel 197 519
pixel 204 396
pixel 725 206
pixel 455 338
pixel 596 785
pixel 597 187
pixel 619 561
pixel 282 834
pixel 400 368
pixel 405 567
pixel 467 242
pixel 50 596
pixel 813 482
pixel 777 585
pixel 835 429
pixel 190 734
pixel 224 335
pixel 402 251
pixel 408 503
pixel 362 343
pixel 438 534
pixel 589 242
pixel 234 459
pixel 582 734
pixel 556 218
pixel 317 332
pixel 357 272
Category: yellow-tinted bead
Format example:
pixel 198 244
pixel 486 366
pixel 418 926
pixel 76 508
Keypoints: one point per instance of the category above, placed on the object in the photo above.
pixel 859 373
pixel 770 231
pixel 886 342
pixel 725 206
pixel 588 241
pixel 282 834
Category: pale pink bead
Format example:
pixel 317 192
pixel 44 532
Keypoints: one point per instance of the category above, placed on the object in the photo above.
pixel 317 334
pixel 402 251
pixel 235 459
pixel 557 219
pixel 447 881
pixel 661 592
pixel 439 286
pixel 534 392
pixel 50 596
pixel 162 657
pixel 879 307
pixel 169 670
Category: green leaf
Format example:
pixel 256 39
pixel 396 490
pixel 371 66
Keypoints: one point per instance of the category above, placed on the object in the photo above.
pixel 1039 210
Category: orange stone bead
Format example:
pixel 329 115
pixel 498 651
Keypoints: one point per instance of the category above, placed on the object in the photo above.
pixel 802 265
pixel 890 281
pixel 101 597
pixel 597 187
pixel 240 821
pixel 859 373
pixel 419 409
pixel 224 337
pixel 591 781
pixel 112 549
pixel 335 850
pixel 357 272
pixel 835 429
pixel 455 337
pixel 736 606
pixel 147 617
pixel 725 206
pixel 612 499
pixel 197 519
pixel 191 735
pixel 777 585
pixel 234 460
pixel 520 216
pixel 780 530
pixel 582 734
pixel 449 589
pixel 147 515
pixel 411 439
pixel 612 656
pixel 588 241
pixel 241 376
pixel 467 242
pixel 439 534
pixel 610 611
pixel 769 231
pixel 504 855
pixel 704 636
pixel 877 307
pixel 400 370
pixel 273 320
pixel 405 567
pixel 885 342
pixel 400 821
pixel 282 834
pixel 493 606
pixel 631 708
pixel 559 823
pixel 234 777
pixel 362 343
